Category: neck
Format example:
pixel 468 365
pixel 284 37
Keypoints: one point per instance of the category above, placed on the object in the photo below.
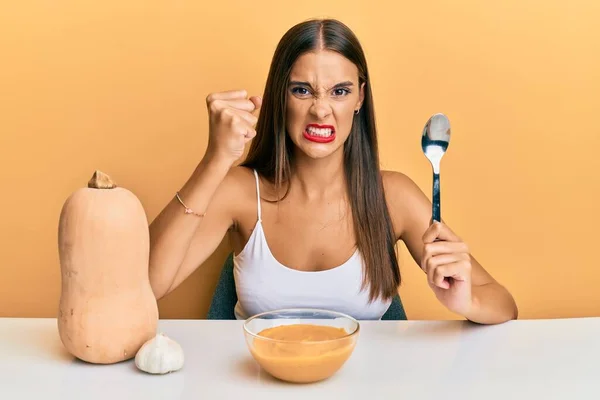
pixel 319 179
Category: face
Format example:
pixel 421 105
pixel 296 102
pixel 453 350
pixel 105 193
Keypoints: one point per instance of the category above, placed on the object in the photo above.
pixel 322 97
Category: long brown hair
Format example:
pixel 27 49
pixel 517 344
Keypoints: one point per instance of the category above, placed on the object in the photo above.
pixel 271 151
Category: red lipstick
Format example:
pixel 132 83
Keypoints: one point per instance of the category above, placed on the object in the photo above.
pixel 318 138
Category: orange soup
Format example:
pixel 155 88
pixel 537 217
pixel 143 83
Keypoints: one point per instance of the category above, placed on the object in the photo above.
pixel 302 352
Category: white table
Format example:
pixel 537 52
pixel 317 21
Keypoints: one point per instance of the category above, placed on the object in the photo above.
pixel 536 359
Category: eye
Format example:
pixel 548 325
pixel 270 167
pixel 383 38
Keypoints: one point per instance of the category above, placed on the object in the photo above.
pixel 341 92
pixel 300 91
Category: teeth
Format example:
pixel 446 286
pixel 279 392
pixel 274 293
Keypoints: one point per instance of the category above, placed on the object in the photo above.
pixel 319 132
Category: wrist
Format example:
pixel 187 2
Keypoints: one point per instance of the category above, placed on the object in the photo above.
pixel 215 164
pixel 206 177
pixel 197 192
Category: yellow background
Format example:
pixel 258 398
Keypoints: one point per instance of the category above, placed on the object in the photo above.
pixel 120 86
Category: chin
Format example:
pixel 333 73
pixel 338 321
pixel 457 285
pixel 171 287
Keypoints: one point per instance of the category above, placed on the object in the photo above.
pixel 317 155
pixel 319 151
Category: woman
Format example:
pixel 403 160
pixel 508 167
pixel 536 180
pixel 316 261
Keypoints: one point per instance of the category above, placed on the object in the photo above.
pixel 312 219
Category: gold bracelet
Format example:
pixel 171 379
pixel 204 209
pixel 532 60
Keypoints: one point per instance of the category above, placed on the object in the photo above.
pixel 187 209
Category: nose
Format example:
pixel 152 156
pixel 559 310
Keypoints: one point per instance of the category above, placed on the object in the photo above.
pixel 320 109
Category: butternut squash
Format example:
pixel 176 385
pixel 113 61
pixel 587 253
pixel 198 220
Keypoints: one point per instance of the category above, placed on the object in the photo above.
pixel 107 308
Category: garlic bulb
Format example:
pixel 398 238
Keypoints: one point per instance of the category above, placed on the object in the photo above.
pixel 159 355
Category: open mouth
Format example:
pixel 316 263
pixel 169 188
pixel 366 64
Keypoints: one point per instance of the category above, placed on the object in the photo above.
pixel 319 133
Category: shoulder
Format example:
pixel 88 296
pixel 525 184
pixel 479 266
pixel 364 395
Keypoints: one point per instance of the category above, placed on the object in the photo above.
pixel 236 188
pixel 241 175
pixel 392 180
pixel 407 203
pixel 400 187
pixel 239 183
pixel 236 194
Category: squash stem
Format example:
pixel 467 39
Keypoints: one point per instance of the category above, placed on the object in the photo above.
pixel 101 181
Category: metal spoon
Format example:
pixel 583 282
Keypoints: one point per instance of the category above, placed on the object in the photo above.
pixel 434 142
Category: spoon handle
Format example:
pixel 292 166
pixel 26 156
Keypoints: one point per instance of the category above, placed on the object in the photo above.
pixel 436 198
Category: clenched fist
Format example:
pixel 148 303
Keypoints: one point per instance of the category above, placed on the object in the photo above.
pixel 231 124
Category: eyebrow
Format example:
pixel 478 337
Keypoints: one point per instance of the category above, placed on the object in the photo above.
pixel 337 85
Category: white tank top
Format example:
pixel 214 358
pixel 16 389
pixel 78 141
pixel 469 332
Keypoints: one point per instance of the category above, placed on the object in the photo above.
pixel 264 284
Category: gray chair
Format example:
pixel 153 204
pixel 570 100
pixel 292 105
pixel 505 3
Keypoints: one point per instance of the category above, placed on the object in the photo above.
pixel 225 297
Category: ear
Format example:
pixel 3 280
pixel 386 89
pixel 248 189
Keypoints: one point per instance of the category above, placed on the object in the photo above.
pixel 361 95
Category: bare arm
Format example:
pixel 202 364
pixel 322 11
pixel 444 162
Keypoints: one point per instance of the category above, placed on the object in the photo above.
pixel 180 242
pixel 173 233
pixel 490 302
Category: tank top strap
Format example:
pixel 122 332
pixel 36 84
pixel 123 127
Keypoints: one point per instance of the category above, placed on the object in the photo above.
pixel 258 196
